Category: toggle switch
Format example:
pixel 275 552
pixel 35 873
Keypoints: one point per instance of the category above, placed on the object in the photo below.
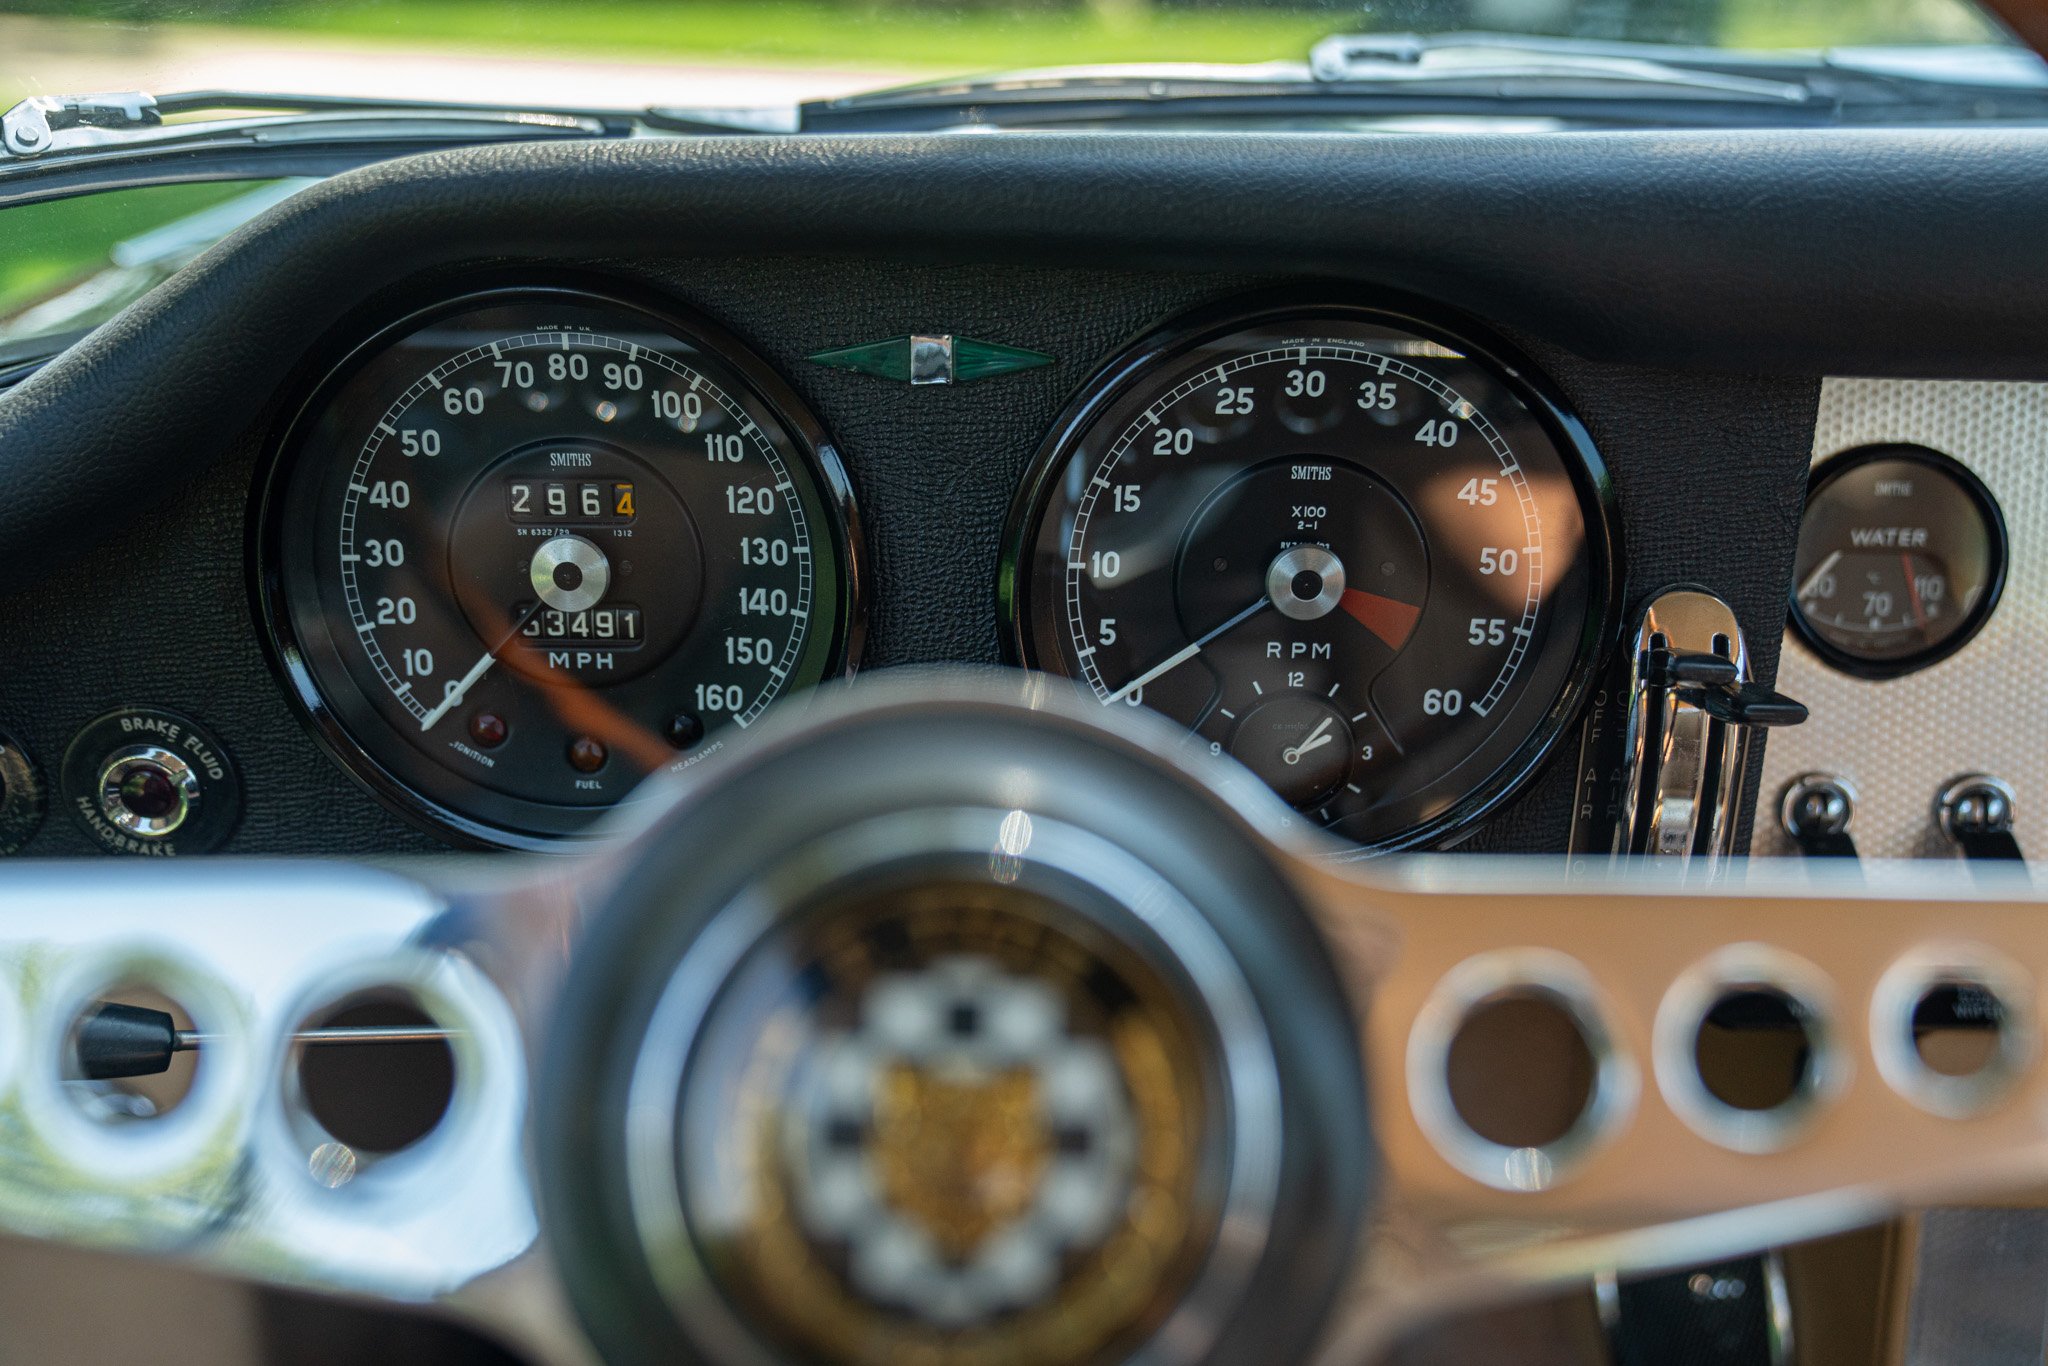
pixel 1975 812
pixel 1816 811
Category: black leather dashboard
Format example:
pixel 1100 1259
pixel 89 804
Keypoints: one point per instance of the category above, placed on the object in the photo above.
pixel 1686 291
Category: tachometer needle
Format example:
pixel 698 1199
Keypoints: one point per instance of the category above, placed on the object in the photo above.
pixel 476 671
pixel 1187 652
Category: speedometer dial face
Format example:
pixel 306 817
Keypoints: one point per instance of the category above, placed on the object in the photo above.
pixel 1351 551
pixel 527 548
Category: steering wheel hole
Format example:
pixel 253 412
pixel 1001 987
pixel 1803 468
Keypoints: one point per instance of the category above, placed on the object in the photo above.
pixel 104 1127
pixel 1746 1047
pixel 1952 1027
pixel 1754 1049
pixel 1520 1070
pixel 1514 1072
pixel 371 1100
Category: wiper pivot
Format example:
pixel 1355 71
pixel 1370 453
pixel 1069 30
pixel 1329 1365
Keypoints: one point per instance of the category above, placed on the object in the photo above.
pixel 39 123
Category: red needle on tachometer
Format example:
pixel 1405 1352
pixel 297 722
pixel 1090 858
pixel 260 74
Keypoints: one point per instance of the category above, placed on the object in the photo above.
pixel 1391 621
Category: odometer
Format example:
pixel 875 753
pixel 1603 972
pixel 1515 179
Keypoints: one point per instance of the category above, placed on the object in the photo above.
pixel 528 547
pixel 1356 552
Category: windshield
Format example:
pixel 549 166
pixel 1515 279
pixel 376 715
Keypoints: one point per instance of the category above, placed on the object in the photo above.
pixel 766 66
pixel 765 52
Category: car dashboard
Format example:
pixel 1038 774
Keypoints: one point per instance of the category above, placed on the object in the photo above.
pixel 935 513
pixel 1636 498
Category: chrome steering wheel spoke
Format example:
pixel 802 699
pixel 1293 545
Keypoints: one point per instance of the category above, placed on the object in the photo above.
pixel 1659 1171
pixel 239 1176
pixel 1015 947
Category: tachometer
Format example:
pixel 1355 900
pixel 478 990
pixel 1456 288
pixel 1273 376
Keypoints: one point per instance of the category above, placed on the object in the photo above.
pixel 530 546
pixel 1354 551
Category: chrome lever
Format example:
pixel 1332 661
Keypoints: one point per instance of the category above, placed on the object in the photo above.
pixel 1693 705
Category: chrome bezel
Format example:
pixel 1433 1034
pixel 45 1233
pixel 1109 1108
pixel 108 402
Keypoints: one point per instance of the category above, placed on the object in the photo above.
pixel 354 344
pixel 1593 486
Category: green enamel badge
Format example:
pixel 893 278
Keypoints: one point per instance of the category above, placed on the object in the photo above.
pixel 920 359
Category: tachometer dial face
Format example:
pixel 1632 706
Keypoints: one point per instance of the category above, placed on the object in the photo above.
pixel 525 549
pixel 1901 559
pixel 1349 550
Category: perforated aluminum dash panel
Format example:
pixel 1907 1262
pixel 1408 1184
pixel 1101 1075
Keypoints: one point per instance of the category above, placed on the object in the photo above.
pixel 1983 709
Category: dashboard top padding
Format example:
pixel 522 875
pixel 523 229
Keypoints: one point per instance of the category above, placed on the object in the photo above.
pixel 1800 252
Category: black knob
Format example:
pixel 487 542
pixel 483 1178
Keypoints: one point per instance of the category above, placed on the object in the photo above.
pixel 1713 683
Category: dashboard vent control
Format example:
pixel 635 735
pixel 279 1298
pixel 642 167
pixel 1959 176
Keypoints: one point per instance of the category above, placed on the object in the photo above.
pixel 142 780
pixel 1692 705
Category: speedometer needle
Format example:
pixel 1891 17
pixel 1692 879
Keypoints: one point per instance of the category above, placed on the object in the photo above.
pixel 476 671
pixel 1187 652
pixel 456 693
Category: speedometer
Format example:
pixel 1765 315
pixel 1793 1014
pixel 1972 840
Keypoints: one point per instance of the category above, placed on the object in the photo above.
pixel 530 546
pixel 1364 556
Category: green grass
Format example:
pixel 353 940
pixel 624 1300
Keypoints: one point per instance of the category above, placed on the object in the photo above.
pixel 804 31
pixel 1844 23
pixel 45 246
pixel 941 37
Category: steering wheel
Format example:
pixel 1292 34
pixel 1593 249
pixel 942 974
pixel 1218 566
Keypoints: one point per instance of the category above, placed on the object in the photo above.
pixel 945 1021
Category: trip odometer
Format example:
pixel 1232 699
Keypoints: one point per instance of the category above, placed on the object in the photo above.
pixel 528 547
pixel 1357 553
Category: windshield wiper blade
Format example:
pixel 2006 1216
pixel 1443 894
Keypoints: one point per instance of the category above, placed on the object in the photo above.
pixel 1368 71
pixel 46 126
pixel 1524 64
pixel 1388 77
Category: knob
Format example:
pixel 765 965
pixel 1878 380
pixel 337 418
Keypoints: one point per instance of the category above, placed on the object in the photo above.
pixel 21 796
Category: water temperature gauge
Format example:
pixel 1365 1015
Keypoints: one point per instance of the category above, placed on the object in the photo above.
pixel 1901 559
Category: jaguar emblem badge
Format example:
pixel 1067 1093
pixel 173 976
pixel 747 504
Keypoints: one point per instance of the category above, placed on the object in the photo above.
pixel 957 1137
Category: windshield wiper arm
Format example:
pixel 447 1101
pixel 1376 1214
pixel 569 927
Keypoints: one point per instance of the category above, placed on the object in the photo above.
pixel 44 126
